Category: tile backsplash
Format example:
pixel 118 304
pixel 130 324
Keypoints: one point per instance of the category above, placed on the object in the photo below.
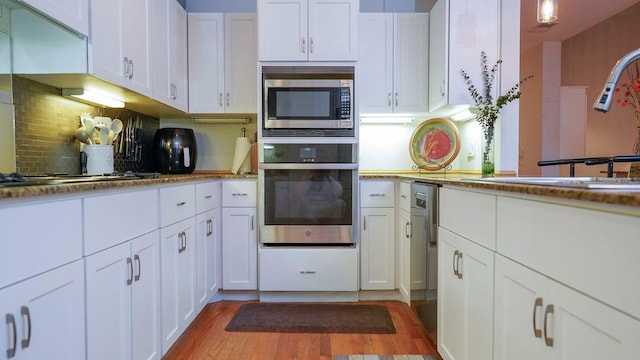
pixel 45 127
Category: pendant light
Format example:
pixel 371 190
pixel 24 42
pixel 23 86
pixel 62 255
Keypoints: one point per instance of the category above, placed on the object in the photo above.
pixel 547 11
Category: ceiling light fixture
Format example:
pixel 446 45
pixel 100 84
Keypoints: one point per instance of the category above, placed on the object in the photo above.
pixel 93 97
pixel 547 11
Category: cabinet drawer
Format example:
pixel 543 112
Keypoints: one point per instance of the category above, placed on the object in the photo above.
pixel 207 196
pixel 177 203
pixel 39 237
pixel 403 201
pixel 113 219
pixel 469 214
pixel 376 193
pixel 308 270
pixel 239 193
pixel 591 251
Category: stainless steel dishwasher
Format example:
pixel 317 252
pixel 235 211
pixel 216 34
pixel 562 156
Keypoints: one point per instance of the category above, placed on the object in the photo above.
pixel 424 254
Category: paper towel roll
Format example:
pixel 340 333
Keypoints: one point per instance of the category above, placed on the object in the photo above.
pixel 241 157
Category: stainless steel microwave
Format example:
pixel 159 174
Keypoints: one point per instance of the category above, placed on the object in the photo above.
pixel 307 101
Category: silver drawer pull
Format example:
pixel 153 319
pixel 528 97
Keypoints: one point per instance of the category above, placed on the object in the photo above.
pixel 376 195
pixel 11 321
pixel 239 194
pixel 182 203
pixel 24 312
pixel 307 272
pixel 208 197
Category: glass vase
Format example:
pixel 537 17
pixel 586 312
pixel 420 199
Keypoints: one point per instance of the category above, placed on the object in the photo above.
pixel 634 167
pixel 488 152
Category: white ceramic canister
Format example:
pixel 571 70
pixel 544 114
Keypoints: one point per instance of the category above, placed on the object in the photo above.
pixel 99 159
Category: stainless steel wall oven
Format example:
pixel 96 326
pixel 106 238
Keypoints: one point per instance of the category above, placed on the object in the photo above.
pixel 308 194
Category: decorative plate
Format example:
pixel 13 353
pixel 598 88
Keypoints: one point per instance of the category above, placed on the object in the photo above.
pixel 434 144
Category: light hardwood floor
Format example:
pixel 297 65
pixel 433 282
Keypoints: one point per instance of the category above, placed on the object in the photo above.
pixel 206 339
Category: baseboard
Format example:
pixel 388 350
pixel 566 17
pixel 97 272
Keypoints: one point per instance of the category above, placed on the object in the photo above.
pixel 309 296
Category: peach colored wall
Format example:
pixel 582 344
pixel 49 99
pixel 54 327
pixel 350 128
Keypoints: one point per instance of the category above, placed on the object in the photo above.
pixel 587 59
pixel 530 150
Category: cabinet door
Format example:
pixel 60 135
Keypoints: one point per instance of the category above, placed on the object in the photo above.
pixel 337 39
pixel 411 78
pixel 145 297
pixel 206 254
pixel 438 55
pixel 48 313
pixel 107 40
pixel 239 249
pixel 241 63
pixel 584 328
pixel 178 55
pixel 282 30
pixel 404 247
pixel 177 252
pixel 375 56
pixel 73 14
pixel 465 298
pixel 520 300
pixel 109 282
pixel 137 38
pixel 377 249
pixel 206 62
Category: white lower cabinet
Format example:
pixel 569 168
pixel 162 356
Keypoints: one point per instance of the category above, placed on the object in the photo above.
pixel 43 317
pixel 206 257
pixel 178 261
pixel 465 298
pixel 239 235
pixel 539 318
pixel 123 300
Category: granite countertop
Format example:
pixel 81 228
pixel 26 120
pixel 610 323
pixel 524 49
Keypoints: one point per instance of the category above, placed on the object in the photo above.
pixel 631 199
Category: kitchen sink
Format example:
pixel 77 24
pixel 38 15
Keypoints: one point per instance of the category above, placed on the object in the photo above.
pixel 624 184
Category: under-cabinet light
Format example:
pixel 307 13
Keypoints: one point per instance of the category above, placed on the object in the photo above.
pixel 93 97
pixel 463 115
pixel 386 119
pixel 221 120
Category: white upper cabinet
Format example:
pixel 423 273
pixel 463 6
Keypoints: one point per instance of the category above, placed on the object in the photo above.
pixel 169 48
pixel 120 43
pixel 459 31
pixel 72 14
pixel 395 48
pixel 222 63
pixel 314 30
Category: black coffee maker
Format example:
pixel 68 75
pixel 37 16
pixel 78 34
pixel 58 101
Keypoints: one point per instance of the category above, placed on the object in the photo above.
pixel 175 151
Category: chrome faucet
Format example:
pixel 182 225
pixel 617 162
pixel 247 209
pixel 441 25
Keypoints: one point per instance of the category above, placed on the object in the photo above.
pixel 603 102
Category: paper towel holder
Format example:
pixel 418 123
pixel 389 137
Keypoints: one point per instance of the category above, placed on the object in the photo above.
pixel 220 120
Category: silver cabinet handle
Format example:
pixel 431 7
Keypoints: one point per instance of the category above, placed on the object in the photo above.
pixel 306 272
pixel 239 194
pixel 125 62
pixel 184 238
pixel 407 228
pixel 252 221
pixel 547 339
pixel 377 195
pixel 220 99
pixel 182 203
pixel 24 312
pixel 11 321
pixel 396 99
pixel 403 196
pixel 442 88
pixel 208 197
pixel 180 242
pixel 458 265
pixel 455 256
pixel 537 304
pixel 389 99
pixel 130 266
pixel 303 45
pixel 364 223
pixel 310 45
pixel 228 99
pixel 131 64
pixel 136 258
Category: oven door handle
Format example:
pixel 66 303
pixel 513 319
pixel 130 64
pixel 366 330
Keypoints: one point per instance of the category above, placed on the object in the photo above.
pixel 307 166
